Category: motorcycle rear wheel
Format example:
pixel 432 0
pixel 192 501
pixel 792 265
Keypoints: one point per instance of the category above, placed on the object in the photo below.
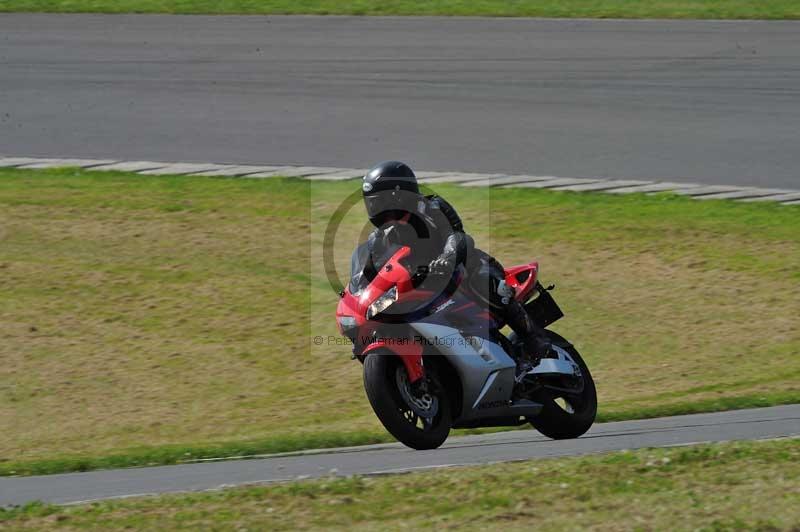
pixel 565 416
pixel 384 376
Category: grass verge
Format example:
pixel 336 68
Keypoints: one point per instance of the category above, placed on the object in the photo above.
pixel 748 485
pixel 144 318
pixel 700 9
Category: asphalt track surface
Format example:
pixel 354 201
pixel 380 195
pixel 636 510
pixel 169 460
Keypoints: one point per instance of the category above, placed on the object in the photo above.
pixel 707 102
pixel 774 422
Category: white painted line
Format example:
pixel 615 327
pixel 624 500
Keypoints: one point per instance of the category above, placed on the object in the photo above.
pixel 654 187
pixel 274 172
pixel 411 469
pixel 797 202
pixel 508 180
pixel 236 170
pixel 463 178
pixel 608 184
pixel 425 176
pixel 129 166
pixel 116 497
pixel 438 175
pixel 561 181
pixel 182 168
pixel 324 450
pixel 341 175
pixel 744 194
pixel 296 171
pixel 789 196
pixel 58 163
pixel 7 162
pixel 702 191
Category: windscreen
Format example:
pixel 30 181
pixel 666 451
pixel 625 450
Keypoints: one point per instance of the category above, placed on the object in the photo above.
pixel 362 270
pixel 358 262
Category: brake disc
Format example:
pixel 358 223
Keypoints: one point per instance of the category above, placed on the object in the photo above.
pixel 424 405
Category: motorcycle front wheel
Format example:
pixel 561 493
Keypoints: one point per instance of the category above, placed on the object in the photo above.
pixel 418 421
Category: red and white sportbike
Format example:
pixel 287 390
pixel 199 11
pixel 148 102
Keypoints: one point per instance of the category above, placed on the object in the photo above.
pixel 433 362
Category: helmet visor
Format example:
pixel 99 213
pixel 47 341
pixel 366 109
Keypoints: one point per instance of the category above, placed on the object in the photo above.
pixel 394 203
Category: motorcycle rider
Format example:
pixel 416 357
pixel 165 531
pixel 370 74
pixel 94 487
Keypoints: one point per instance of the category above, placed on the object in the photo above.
pixel 434 231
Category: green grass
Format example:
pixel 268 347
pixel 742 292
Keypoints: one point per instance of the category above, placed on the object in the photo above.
pixel 732 486
pixel 702 9
pixel 148 320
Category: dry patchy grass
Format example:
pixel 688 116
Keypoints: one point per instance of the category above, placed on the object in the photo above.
pixel 146 311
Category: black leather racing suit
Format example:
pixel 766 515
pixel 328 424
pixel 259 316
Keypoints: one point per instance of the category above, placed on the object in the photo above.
pixel 436 234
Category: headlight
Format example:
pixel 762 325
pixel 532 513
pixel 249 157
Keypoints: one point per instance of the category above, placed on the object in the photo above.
pixel 346 323
pixel 347 326
pixel 382 303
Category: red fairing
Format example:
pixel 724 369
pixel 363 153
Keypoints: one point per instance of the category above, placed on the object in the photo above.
pixel 409 352
pixel 391 274
pixel 528 273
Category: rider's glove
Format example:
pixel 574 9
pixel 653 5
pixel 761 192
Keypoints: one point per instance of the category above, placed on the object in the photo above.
pixel 420 274
pixel 441 266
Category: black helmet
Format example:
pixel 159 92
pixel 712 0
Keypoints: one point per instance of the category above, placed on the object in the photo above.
pixel 390 191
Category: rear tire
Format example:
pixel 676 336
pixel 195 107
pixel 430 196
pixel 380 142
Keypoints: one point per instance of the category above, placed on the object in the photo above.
pixel 556 421
pixel 383 373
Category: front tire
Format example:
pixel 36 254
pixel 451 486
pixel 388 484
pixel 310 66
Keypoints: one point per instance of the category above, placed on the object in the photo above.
pixel 386 384
pixel 565 416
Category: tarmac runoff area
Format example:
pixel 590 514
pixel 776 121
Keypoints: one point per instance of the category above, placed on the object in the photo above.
pixel 658 100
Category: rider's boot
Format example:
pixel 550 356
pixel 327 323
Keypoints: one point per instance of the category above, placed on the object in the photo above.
pixel 534 338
